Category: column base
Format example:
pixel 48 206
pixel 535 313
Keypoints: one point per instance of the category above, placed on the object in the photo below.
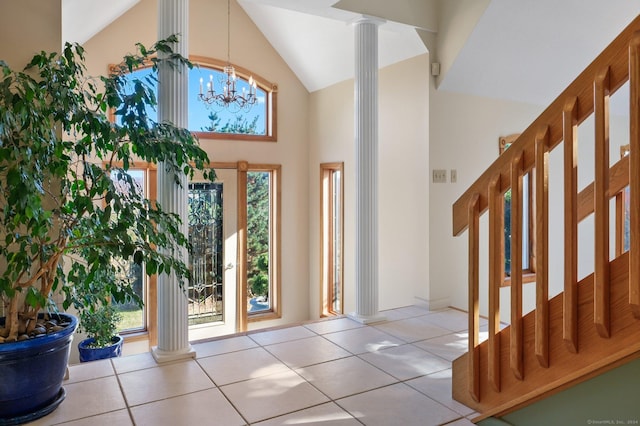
pixel 168 356
pixel 367 319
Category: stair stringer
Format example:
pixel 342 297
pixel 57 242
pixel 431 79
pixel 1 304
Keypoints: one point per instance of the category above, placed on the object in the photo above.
pixel 595 354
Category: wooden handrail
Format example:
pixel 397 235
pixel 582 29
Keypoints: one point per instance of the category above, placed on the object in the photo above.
pixel 618 181
pixel 616 58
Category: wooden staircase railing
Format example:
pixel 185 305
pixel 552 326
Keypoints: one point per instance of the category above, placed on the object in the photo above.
pixel 587 327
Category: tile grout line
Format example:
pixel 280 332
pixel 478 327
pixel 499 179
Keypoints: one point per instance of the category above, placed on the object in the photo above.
pixel 296 369
pixel 124 397
pixel 224 395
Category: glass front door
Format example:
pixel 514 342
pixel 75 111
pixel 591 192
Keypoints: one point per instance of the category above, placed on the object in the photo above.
pixel 212 290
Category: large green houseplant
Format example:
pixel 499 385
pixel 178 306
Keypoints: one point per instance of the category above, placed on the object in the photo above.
pixel 70 212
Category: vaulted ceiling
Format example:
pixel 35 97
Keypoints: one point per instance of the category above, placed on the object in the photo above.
pixel 520 50
pixel 530 51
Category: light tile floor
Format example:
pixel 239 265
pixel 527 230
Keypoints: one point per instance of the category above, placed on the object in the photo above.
pixel 331 372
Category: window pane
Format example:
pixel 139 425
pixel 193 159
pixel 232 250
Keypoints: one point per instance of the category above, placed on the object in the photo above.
pixel 210 118
pixel 331 243
pixel 258 240
pixel 526 238
pixel 337 243
pixel 526 219
pixel 134 317
pixel 627 212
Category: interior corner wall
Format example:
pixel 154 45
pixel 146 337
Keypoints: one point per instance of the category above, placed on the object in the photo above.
pixel 250 50
pixel 464 136
pixel 403 195
pixel 28 27
pixel 404 183
pixel 456 21
pixel 464 132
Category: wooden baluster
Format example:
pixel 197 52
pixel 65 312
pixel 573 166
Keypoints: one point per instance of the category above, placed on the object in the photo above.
pixel 496 277
pixel 634 172
pixel 516 341
pixel 570 300
pixel 601 203
pixel 542 248
pixel 473 357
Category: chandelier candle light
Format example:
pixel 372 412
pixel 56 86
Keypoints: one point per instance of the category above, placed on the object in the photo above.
pixel 228 97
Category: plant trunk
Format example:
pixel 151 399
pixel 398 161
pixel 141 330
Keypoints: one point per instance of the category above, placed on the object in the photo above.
pixel 12 322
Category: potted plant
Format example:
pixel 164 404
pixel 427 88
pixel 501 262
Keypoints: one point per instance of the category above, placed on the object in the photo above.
pixel 69 207
pixel 100 322
pixel 101 326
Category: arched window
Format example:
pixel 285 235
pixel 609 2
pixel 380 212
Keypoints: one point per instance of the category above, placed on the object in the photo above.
pixel 209 121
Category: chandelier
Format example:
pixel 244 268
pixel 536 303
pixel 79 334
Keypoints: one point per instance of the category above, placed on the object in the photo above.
pixel 228 96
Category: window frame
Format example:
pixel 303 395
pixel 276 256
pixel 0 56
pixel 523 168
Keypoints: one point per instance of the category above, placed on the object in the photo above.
pixel 529 274
pixel 327 248
pixel 150 307
pixel 275 275
pixel 275 216
pixel 270 89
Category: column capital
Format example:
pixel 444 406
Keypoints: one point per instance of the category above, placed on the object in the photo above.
pixel 368 19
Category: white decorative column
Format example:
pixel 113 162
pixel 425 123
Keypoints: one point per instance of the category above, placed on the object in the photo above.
pixel 366 140
pixel 173 327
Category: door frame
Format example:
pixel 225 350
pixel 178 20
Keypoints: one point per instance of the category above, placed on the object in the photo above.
pixel 241 168
pixel 242 317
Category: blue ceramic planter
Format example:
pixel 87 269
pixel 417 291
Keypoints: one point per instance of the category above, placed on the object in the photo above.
pixel 93 354
pixel 31 374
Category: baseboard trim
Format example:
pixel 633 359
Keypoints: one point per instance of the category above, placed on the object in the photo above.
pixel 433 304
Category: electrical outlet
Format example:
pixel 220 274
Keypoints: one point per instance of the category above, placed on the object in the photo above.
pixel 439 176
pixel 453 175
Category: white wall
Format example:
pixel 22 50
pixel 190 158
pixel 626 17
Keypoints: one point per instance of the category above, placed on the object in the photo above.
pixel 403 189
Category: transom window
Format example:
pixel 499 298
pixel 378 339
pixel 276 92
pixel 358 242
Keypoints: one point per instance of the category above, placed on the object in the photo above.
pixel 208 121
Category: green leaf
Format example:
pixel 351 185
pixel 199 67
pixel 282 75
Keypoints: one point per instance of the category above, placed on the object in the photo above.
pixel 56 138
